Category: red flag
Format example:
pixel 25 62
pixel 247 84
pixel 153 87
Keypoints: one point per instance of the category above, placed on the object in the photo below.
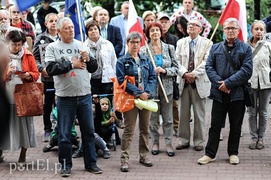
pixel 236 9
pixel 133 23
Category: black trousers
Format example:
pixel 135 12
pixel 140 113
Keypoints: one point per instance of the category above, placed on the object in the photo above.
pixel 49 103
pixel 235 111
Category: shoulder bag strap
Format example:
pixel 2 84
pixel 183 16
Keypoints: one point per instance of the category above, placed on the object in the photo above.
pixel 257 50
pixel 228 57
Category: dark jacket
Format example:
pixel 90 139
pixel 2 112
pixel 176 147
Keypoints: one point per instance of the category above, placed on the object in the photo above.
pixel 41 42
pixel 170 39
pixel 218 69
pixel 126 65
pixel 114 36
pixel 41 16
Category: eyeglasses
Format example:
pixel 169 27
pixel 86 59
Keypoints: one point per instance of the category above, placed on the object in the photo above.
pixel 14 12
pixel 1 19
pixel 230 28
pixel 193 24
pixel 135 42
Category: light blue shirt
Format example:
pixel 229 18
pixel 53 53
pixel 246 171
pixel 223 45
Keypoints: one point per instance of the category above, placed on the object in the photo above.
pixel 121 22
pixel 104 31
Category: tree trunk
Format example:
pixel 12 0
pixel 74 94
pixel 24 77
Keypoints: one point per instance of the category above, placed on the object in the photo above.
pixel 257 8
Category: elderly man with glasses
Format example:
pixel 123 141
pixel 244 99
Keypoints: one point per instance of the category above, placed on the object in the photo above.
pixel 16 21
pixel 5 24
pixel 229 67
pixel 194 84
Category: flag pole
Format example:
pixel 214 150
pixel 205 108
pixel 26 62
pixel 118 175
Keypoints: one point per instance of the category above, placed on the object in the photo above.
pixel 208 44
pixel 154 65
pixel 80 24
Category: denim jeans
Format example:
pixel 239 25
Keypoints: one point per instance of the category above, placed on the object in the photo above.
pixel 235 111
pixel 68 108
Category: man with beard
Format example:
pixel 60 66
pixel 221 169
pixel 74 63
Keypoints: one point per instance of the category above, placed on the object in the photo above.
pixel 5 24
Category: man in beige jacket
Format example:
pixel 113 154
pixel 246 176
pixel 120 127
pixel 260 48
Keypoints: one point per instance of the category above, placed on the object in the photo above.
pixel 194 84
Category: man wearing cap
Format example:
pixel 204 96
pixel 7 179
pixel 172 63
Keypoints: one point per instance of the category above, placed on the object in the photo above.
pixel 188 12
pixel 169 38
pixel 194 84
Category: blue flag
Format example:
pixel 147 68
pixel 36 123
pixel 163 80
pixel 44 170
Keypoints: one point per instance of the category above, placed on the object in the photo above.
pixel 71 12
pixel 24 5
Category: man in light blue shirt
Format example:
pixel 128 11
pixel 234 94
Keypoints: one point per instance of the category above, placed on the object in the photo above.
pixel 121 22
pixel 110 32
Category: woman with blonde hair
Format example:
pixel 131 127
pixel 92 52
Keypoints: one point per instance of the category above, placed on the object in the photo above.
pixel 260 83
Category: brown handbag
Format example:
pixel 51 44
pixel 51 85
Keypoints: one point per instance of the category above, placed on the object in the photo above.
pixel 29 99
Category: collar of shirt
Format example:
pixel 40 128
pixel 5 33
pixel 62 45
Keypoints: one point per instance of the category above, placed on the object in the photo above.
pixel 105 27
pixel 194 40
pixel 124 17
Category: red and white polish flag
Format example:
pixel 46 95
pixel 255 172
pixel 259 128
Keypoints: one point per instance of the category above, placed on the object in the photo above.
pixel 133 23
pixel 236 9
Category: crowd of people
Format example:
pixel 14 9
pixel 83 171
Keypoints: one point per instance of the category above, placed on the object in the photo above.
pixel 72 72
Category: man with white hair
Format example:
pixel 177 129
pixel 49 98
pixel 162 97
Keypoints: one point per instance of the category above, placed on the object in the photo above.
pixel 5 24
pixel 229 67
pixel 194 85
pixel 70 67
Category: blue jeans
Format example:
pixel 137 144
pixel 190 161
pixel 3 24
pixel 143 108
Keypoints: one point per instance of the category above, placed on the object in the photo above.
pixel 68 108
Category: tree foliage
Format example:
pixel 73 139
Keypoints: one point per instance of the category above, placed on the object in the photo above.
pixel 113 6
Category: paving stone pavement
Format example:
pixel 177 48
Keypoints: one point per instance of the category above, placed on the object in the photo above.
pixel 254 164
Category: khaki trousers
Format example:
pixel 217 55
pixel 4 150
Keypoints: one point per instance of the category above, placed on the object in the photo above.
pixel 130 118
pixel 191 97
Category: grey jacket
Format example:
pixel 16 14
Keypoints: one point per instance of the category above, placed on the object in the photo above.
pixel 169 64
pixel 261 66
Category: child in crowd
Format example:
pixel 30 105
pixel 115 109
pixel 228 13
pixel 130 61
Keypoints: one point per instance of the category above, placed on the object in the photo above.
pixel 99 142
pixel 108 118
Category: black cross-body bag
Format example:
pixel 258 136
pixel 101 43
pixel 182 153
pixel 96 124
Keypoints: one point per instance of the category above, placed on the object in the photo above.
pixel 248 93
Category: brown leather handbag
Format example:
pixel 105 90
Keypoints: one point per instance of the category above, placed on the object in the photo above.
pixel 29 99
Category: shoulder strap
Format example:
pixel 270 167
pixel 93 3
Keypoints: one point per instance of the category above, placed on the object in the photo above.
pixel 257 50
pixel 169 51
pixel 228 56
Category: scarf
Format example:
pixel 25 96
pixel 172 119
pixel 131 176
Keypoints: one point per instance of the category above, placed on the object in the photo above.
pixel 16 59
pixel 96 48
